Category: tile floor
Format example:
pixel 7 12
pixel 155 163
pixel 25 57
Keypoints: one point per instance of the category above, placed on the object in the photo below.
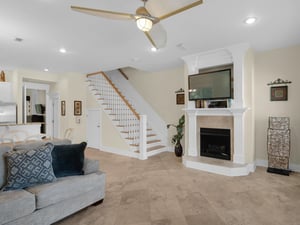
pixel 161 191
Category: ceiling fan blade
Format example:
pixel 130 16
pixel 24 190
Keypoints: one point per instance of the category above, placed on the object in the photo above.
pixel 104 13
pixel 157 36
pixel 167 8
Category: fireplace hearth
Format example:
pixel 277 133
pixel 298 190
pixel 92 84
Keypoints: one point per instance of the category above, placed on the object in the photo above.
pixel 215 143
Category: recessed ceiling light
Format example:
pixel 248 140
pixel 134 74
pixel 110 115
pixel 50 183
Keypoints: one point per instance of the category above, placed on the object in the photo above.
pixel 18 39
pixel 135 59
pixel 181 46
pixel 62 50
pixel 250 20
pixel 153 49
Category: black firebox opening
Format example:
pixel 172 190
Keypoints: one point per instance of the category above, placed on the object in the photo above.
pixel 215 143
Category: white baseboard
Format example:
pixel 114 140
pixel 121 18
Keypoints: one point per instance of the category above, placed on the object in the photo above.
pixel 119 151
pixel 264 163
pixel 251 167
pixel 295 167
pixel 129 153
pixel 155 152
pixel 170 148
pixel 261 162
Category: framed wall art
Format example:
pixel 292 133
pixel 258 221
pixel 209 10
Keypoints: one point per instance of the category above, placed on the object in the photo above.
pixel 2 76
pixel 77 108
pixel 180 99
pixel 279 93
pixel 63 108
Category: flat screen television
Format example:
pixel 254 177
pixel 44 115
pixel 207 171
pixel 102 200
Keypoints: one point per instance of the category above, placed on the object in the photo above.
pixel 212 83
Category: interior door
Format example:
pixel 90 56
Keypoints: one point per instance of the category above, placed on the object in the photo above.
pixel 94 128
pixel 54 100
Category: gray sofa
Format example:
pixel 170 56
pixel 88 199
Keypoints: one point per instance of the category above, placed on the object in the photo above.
pixel 47 203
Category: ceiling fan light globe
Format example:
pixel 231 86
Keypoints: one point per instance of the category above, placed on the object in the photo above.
pixel 144 24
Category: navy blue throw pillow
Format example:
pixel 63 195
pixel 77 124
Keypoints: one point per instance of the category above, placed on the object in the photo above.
pixel 67 160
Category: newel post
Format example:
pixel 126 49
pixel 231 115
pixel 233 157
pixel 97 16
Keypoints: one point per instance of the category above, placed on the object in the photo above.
pixel 143 137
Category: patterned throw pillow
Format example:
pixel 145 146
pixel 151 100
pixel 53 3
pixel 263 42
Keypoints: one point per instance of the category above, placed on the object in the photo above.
pixel 26 168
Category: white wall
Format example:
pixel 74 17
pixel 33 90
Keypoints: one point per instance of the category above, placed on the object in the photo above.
pixel 110 136
pixel 158 89
pixel 70 86
pixel 279 63
pixel 17 77
pixel 249 135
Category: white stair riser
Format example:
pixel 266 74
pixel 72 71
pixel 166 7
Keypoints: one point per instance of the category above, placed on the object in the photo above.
pixel 153 144
pixel 115 108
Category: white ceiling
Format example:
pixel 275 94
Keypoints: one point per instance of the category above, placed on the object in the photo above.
pixel 95 43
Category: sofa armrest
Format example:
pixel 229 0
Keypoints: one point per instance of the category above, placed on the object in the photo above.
pixel 90 166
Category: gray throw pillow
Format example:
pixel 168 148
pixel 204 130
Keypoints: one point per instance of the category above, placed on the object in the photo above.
pixel 36 144
pixel 29 146
pixel 3 172
pixel 26 168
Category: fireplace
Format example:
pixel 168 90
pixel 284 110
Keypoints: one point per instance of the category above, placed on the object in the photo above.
pixel 241 156
pixel 215 143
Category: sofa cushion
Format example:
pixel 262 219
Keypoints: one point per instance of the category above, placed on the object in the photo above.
pixel 28 146
pixel 66 188
pixel 15 204
pixel 26 168
pixel 36 144
pixel 61 141
pixel 90 166
pixel 3 172
pixel 68 159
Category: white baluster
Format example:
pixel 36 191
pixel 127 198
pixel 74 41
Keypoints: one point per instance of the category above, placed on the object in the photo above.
pixel 143 137
pixel 123 114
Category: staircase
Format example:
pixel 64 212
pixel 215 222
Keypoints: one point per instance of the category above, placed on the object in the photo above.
pixel 133 127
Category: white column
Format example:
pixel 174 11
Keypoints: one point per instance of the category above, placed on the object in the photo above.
pixel 6 94
pixel 238 53
pixel 192 138
pixel 143 137
pixel 239 152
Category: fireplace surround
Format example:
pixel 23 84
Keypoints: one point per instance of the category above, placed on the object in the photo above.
pixel 242 157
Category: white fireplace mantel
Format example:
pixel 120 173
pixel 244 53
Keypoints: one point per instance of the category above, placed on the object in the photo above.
pixel 238 165
pixel 236 113
pixel 215 111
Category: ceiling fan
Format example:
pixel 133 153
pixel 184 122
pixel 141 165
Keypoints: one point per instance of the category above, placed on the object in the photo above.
pixel 148 16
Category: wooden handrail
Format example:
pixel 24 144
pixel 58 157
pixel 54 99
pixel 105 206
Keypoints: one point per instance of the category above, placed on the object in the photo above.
pixel 124 74
pixel 118 92
pixel 95 73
